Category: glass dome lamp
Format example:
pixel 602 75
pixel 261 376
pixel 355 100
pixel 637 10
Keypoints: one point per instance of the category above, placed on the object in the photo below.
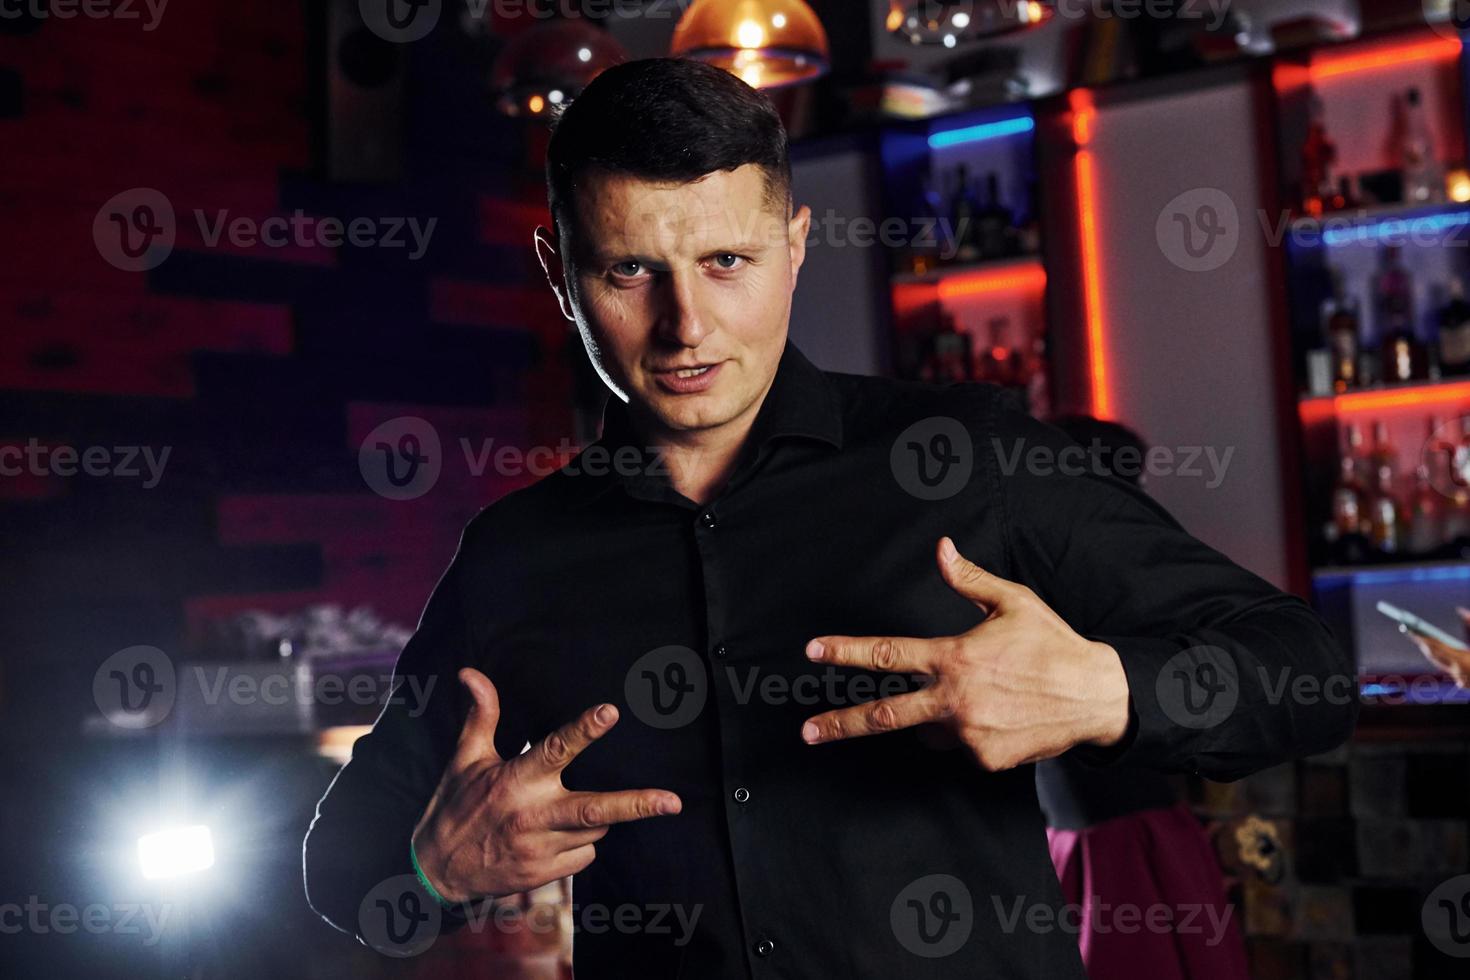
pixel 768 44
pixel 549 64
pixel 948 22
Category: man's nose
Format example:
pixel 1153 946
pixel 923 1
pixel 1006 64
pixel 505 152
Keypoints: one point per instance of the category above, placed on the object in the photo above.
pixel 680 320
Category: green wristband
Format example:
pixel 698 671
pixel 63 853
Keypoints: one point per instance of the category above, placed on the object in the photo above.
pixel 418 870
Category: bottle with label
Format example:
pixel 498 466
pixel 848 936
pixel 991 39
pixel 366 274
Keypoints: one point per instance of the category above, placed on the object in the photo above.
pixel 1319 155
pixel 996 231
pixel 1423 177
pixel 1401 355
pixel 1385 518
pixel 994 363
pixel 1340 323
pixel 1382 456
pixel 964 213
pixel 1348 510
pixel 1426 514
pixel 1454 330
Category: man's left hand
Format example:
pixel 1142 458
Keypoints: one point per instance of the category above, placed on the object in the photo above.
pixel 1019 687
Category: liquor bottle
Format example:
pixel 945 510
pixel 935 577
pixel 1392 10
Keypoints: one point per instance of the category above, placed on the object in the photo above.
pixel 1319 154
pixel 951 353
pixel 1382 456
pixel 996 232
pixel 1423 178
pixel 1454 330
pixel 995 363
pixel 1348 510
pixel 1340 323
pixel 964 213
pixel 1356 451
pixel 1400 353
pixel 1385 518
pixel 1426 517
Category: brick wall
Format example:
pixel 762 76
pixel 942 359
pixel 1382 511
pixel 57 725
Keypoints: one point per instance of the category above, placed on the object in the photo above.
pixel 258 369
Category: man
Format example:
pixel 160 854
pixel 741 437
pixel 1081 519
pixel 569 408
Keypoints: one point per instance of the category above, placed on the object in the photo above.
pixel 784 643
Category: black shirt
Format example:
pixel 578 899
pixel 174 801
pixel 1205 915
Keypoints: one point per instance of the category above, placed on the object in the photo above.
pixel 875 857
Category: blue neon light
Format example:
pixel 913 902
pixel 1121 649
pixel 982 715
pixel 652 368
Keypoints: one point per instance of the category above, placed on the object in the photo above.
pixel 985 131
pixel 1396 227
pixel 1393 576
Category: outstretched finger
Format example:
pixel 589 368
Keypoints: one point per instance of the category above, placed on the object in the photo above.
pixel 881 715
pixel 556 751
pixel 580 811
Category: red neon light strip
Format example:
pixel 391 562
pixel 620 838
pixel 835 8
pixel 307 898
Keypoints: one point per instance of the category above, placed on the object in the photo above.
pixel 1083 117
pixel 1425 396
pixel 1344 63
pixel 1029 277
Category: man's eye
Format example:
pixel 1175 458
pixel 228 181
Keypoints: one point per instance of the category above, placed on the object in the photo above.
pixel 731 256
pixel 627 269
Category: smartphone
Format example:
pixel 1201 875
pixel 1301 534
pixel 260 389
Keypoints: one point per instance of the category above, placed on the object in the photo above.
pixel 1410 623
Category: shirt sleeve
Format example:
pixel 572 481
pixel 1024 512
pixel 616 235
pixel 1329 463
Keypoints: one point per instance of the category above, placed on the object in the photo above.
pixel 1227 674
pixel 359 838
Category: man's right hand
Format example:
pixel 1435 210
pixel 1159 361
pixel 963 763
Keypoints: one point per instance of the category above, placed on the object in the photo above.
pixel 495 827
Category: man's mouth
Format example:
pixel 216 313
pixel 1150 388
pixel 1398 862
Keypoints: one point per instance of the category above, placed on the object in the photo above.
pixel 686 379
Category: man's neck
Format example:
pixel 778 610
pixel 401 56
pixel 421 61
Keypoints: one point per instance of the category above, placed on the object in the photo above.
pixel 701 462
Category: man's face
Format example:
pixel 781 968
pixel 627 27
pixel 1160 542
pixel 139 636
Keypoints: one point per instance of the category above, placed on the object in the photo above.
pixel 682 292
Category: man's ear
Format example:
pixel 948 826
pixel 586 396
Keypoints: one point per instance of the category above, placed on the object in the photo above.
pixel 796 232
pixel 555 269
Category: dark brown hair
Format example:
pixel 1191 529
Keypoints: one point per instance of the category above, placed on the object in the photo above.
pixel 669 120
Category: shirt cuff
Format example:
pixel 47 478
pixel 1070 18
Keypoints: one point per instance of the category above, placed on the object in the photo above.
pixel 1146 741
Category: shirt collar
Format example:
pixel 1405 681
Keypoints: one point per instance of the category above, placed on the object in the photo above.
pixel 801 403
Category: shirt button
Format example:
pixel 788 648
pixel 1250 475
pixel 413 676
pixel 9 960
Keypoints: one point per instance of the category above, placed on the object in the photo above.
pixel 741 794
pixel 721 650
pixel 708 519
pixel 764 947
